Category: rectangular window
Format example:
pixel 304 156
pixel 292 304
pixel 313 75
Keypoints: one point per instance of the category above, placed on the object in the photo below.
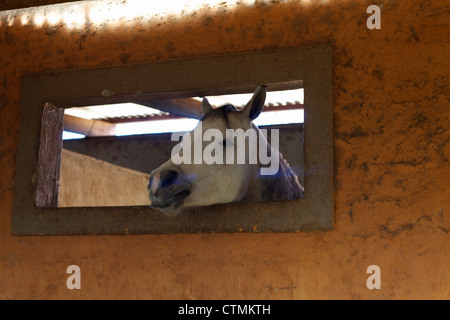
pixel 48 200
pixel 117 146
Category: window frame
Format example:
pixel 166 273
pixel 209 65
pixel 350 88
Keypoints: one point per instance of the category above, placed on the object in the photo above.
pixel 48 94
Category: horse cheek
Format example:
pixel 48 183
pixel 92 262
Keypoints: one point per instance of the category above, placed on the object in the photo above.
pixel 235 182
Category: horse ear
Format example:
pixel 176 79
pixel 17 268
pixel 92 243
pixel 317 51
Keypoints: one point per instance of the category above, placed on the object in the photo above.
pixel 206 106
pixel 256 103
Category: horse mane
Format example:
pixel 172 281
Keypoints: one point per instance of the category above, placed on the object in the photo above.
pixel 282 186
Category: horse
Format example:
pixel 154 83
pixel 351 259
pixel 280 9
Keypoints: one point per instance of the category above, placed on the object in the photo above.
pixel 177 185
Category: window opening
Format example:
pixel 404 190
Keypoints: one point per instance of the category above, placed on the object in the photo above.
pixel 119 145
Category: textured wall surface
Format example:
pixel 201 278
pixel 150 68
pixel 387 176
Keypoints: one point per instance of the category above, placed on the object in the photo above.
pixel 89 182
pixel 392 151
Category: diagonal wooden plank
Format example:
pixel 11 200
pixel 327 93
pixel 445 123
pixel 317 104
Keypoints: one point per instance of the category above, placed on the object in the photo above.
pixel 88 127
pixel 186 107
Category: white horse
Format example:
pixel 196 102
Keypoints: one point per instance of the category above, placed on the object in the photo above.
pixel 175 186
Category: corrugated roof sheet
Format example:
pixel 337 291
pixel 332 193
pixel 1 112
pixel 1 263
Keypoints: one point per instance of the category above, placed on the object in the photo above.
pixel 119 110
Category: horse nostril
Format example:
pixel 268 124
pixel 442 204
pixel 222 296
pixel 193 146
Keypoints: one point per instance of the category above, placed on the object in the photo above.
pixel 169 178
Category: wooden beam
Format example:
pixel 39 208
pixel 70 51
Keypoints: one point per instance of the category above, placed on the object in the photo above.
pixel 146 97
pixel 88 127
pixel 191 108
pixel 185 107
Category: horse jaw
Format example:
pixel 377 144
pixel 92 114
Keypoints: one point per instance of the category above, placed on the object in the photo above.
pixel 217 186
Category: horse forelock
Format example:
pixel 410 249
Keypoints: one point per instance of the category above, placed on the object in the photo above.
pixel 220 112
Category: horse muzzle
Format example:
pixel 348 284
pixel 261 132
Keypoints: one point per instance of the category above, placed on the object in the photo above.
pixel 167 189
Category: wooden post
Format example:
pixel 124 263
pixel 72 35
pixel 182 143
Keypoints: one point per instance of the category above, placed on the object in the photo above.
pixel 49 158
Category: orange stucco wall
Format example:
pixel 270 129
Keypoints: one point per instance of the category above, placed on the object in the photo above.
pixel 391 143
